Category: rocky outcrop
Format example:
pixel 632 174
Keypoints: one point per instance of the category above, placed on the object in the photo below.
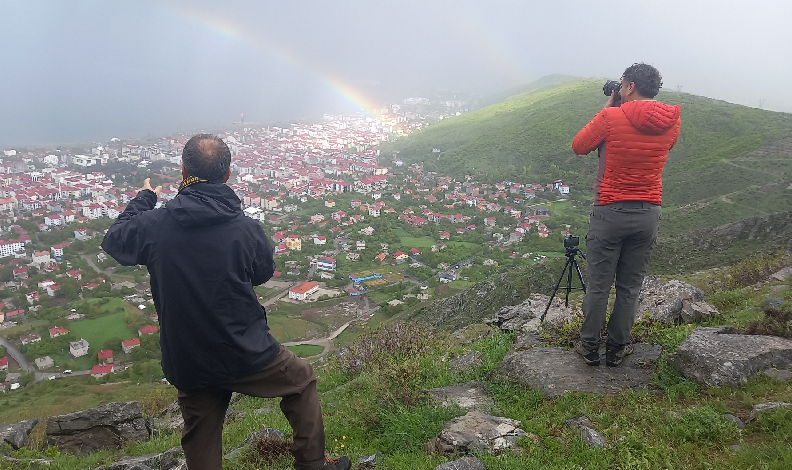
pixel 555 371
pixel 465 463
pixel 590 436
pixel 672 302
pixel 105 427
pixel 769 406
pixel 484 299
pixel 525 317
pixel 16 435
pixel 468 396
pixel 476 432
pixel 716 356
pixel 465 361
pixel 171 459
pixel 782 274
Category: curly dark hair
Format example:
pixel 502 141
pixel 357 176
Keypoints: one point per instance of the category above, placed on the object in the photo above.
pixel 647 79
pixel 207 156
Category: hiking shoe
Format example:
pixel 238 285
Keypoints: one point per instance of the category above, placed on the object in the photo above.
pixel 614 357
pixel 592 358
pixel 341 463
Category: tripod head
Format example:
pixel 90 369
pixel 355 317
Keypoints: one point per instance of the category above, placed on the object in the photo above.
pixel 571 244
pixel 572 251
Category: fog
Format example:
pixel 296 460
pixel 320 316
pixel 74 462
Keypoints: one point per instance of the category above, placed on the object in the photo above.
pixel 90 70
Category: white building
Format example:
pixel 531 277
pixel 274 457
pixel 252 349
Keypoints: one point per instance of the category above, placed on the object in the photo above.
pixel 78 348
pixel 326 264
pixel 303 291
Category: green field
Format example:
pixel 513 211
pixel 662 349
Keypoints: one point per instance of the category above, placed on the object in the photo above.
pixel 98 330
pixel 417 242
pixel 305 350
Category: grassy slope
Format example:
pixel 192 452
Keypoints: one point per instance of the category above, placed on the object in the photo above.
pixel 730 161
pixel 361 416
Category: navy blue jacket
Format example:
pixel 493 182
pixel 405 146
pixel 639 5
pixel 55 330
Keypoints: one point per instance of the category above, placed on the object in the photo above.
pixel 204 257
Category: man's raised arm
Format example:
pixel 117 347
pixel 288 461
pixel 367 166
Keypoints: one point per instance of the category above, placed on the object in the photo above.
pixel 124 241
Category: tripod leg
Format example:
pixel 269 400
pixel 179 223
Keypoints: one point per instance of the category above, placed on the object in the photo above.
pixel 555 289
pixel 580 275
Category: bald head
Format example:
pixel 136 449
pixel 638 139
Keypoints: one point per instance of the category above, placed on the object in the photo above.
pixel 207 157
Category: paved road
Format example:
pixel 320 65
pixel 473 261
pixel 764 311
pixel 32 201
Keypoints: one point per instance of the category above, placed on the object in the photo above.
pixel 90 259
pixel 275 299
pixel 14 352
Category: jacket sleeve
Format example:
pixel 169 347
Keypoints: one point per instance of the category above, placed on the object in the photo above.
pixel 264 264
pixel 591 136
pixel 125 240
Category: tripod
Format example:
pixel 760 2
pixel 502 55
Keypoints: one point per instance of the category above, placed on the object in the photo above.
pixel 571 253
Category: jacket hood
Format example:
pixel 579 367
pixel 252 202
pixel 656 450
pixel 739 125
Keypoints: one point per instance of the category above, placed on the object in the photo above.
pixel 651 117
pixel 203 204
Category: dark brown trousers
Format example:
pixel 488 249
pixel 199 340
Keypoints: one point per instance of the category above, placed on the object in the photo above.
pixel 287 376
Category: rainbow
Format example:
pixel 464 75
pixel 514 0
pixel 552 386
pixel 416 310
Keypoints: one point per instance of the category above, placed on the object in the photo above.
pixel 280 50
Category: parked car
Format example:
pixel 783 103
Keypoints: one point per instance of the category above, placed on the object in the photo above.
pixel 67 371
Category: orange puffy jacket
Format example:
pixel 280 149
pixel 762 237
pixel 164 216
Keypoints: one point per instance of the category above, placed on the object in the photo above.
pixel 633 141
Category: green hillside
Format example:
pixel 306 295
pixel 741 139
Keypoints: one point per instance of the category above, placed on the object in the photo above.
pixel 731 161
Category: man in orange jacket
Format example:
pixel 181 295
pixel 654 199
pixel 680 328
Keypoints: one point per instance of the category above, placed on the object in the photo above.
pixel 633 139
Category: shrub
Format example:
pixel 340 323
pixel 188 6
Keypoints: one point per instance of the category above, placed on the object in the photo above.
pixel 776 322
pixel 755 269
pixel 387 344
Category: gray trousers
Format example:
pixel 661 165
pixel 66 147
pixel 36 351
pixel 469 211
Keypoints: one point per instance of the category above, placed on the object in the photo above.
pixel 618 244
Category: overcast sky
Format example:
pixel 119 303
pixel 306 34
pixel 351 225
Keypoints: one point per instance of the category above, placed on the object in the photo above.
pixel 89 70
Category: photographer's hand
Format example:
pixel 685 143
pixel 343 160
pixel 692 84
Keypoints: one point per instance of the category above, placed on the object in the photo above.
pixel 611 100
pixel 147 185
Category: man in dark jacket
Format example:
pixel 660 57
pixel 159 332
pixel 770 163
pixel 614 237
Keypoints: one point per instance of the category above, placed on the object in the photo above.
pixel 633 140
pixel 204 256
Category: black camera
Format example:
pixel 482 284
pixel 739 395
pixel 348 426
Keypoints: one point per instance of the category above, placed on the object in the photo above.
pixel 571 242
pixel 610 87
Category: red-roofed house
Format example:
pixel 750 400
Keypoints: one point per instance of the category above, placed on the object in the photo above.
pixel 58 331
pixel 303 291
pixel 147 330
pixel 100 370
pixel 4 363
pixel 130 344
pixel 400 257
pixel 106 355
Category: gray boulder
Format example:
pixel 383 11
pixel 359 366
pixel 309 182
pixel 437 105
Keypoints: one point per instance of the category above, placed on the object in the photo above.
pixel 737 421
pixel 782 275
pixel 466 361
pixel 772 304
pixel 468 396
pixel 590 436
pixel 526 341
pixel 368 462
pixel 16 435
pixel 525 316
pixel 555 371
pixel 716 356
pixel 672 301
pixel 105 427
pixel 465 463
pixel 476 432
pixel 769 406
